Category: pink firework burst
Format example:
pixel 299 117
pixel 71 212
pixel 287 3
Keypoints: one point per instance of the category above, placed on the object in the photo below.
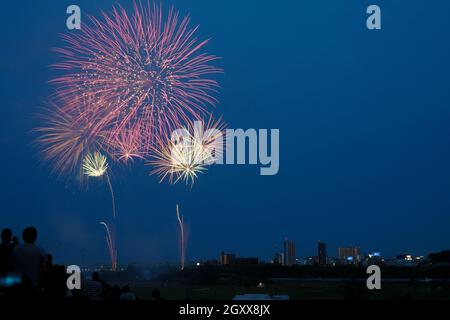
pixel 126 145
pixel 146 72
pixel 67 135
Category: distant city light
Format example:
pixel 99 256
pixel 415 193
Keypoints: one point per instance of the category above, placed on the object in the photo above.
pixel 374 254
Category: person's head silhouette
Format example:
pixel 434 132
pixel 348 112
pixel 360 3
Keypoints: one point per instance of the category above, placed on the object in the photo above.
pixel 6 236
pixel 156 294
pixel 96 276
pixel 29 235
pixel 49 260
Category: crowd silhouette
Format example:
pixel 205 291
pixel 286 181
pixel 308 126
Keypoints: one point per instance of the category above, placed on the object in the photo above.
pixel 26 270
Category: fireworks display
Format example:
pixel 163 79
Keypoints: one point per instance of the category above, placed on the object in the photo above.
pixel 185 154
pixel 143 71
pixel 126 146
pixel 95 165
pixel 65 138
pixel 130 79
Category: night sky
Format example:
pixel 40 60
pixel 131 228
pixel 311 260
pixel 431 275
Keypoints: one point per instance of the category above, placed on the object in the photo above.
pixel 364 119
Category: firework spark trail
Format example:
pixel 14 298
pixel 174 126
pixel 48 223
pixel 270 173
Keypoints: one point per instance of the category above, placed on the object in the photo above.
pixel 111 246
pixel 142 66
pixel 96 165
pixel 182 240
pixel 112 195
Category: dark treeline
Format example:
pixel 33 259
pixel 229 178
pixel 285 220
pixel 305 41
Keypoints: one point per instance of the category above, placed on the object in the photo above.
pixel 216 274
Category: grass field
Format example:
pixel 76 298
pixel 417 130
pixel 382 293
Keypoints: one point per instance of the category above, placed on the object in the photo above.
pixel 296 291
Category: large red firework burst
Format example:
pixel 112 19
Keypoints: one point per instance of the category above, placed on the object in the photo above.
pixel 145 72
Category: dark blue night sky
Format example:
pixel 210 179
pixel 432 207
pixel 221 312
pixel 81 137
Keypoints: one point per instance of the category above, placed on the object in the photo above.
pixel 364 119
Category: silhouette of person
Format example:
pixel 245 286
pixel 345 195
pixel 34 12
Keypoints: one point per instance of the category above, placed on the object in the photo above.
pixel 6 248
pixel 127 294
pixel 28 258
pixel 95 287
pixel 53 280
pixel 156 294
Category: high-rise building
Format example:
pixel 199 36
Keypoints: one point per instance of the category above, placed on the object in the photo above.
pixel 350 254
pixel 322 253
pixel 278 258
pixel 227 258
pixel 289 252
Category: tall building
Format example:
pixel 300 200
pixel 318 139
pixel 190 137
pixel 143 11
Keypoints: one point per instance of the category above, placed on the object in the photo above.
pixel 278 259
pixel 227 258
pixel 322 253
pixel 289 252
pixel 350 254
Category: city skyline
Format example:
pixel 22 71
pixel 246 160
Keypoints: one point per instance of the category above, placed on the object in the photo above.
pixel 342 253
